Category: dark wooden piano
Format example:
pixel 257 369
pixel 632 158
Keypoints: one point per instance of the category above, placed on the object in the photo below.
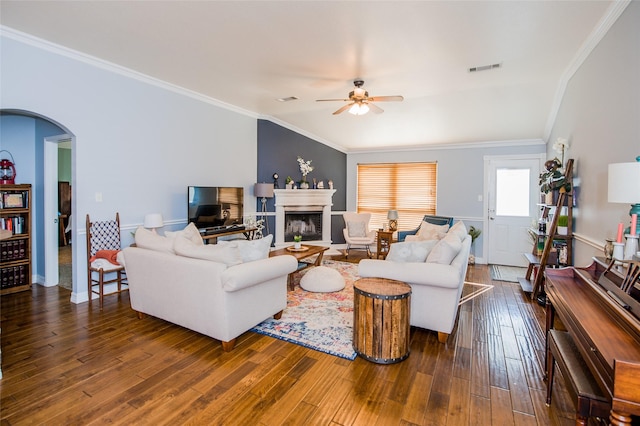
pixel 599 306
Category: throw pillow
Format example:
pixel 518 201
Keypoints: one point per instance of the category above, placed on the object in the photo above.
pixel 185 247
pixel 190 231
pixel 152 241
pixel 445 250
pixel 251 250
pixel 415 251
pixel 459 229
pixel 357 229
pixel 429 231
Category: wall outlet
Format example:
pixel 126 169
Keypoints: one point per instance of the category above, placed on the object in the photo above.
pixel 98 197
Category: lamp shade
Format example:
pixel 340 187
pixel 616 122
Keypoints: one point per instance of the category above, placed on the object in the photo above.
pixel 264 190
pixel 624 183
pixel 153 220
pixel 392 215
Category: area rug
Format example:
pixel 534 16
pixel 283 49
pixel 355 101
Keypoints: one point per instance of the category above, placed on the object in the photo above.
pixel 320 321
pixel 507 273
pixel 324 321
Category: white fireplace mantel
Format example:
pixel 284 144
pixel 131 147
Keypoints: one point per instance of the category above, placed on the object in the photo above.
pixel 307 200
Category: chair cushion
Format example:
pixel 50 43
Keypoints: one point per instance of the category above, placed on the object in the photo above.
pixel 410 251
pixel 321 279
pixel 429 231
pixel 251 250
pixel 152 241
pixel 184 246
pixel 445 250
pixel 357 229
pixel 190 232
pixel 459 229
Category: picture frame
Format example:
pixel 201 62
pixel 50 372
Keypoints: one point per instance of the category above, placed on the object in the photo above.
pixel 13 200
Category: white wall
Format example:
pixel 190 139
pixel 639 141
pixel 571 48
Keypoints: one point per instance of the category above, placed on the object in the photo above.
pixel 600 115
pixel 137 144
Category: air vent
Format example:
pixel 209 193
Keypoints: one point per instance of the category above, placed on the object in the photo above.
pixel 485 67
pixel 290 98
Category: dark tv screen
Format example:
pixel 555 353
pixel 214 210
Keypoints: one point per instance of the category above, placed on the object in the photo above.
pixel 215 206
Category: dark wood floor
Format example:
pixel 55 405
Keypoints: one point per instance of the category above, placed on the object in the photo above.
pixel 69 364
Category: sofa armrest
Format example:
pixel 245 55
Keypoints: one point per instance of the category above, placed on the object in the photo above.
pixel 403 234
pixel 414 273
pixel 249 274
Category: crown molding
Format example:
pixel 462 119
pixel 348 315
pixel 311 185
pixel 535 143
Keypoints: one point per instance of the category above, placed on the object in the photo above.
pixel 450 146
pixel 601 29
pixel 117 69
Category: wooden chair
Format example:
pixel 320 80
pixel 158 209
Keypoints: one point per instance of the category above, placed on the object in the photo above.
pixel 103 235
pixel 626 392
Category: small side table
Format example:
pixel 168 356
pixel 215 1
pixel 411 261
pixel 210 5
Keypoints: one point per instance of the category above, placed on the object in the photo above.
pixel 385 238
pixel 381 310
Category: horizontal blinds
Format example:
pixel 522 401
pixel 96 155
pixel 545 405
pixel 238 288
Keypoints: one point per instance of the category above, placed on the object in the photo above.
pixel 409 188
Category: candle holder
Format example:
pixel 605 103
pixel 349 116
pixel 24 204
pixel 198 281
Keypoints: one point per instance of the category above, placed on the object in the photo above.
pixel 618 251
pixel 631 247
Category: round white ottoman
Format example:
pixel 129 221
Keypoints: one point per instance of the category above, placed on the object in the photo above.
pixel 322 280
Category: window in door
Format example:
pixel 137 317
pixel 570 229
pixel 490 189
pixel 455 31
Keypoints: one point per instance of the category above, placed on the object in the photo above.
pixel 512 192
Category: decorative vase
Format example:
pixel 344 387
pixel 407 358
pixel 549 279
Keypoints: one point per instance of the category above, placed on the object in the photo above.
pixel 304 184
pixel 608 250
pixel 297 246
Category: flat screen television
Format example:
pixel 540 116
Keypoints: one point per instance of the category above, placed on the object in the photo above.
pixel 213 207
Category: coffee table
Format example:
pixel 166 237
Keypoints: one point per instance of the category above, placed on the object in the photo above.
pixel 304 252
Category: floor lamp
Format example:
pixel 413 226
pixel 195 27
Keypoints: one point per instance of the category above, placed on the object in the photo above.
pixel 264 191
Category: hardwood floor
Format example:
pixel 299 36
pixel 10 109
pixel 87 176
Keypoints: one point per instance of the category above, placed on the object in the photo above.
pixel 69 364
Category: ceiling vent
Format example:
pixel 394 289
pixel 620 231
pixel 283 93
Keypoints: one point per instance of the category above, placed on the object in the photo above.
pixel 485 67
pixel 290 98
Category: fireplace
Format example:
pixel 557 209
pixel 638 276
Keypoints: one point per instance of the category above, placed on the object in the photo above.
pixel 305 212
pixel 306 224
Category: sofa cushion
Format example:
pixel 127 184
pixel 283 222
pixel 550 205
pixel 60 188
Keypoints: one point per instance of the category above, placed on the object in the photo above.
pixel 429 231
pixel 184 246
pixel 322 279
pixel 357 229
pixel 250 250
pixel 445 250
pixel 459 229
pixel 410 251
pixel 190 232
pixel 151 241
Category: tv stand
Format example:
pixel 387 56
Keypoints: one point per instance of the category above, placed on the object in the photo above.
pixel 211 237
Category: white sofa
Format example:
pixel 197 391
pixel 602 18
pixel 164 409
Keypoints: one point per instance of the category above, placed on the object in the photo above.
pixel 220 298
pixel 436 282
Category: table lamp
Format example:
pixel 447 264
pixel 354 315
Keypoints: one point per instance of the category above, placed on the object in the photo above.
pixel 392 215
pixel 153 221
pixel 624 187
pixel 264 191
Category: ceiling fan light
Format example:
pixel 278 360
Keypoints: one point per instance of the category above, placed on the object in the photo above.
pixel 359 108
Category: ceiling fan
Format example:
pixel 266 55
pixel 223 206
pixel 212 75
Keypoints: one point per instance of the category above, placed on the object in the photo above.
pixel 360 102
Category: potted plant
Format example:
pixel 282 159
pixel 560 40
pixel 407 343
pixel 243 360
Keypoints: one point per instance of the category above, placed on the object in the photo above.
pixel 563 223
pixel 475 233
pixel 289 182
pixel 297 239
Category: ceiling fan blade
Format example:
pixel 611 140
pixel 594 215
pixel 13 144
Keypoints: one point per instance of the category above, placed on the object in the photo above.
pixel 344 108
pixel 375 108
pixel 386 99
pixel 333 100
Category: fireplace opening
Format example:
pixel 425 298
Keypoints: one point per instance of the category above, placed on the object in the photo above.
pixel 307 224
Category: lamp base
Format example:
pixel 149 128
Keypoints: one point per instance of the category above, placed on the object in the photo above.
pixel 393 225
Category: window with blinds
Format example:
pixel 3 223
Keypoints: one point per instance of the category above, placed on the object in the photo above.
pixel 409 188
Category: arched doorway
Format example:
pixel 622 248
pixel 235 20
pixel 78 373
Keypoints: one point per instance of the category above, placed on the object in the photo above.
pixel 33 137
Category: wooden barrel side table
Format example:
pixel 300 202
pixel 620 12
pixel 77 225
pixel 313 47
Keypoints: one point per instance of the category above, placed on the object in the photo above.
pixel 381 309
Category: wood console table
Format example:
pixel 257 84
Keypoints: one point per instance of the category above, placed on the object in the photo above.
pixel 213 237
pixel 601 329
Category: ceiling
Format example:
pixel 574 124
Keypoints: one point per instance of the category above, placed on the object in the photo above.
pixel 247 54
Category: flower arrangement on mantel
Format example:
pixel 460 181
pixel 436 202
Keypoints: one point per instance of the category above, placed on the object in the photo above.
pixel 305 169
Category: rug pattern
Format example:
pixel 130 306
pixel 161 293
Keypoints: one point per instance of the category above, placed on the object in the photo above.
pixel 320 321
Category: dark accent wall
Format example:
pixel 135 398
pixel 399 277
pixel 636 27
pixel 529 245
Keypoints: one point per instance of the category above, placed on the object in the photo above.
pixel 278 151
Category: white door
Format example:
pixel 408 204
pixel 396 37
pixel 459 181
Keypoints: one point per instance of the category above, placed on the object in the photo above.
pixel 512 197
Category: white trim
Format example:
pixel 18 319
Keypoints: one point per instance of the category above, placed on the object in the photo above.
pixel 588 241
pixel 601 29
pixel 466 145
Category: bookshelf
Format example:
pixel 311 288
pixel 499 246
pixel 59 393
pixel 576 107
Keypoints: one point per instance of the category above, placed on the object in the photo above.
pixel 15 251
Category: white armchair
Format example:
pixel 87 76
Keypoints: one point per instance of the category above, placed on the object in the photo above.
pixel 356 231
